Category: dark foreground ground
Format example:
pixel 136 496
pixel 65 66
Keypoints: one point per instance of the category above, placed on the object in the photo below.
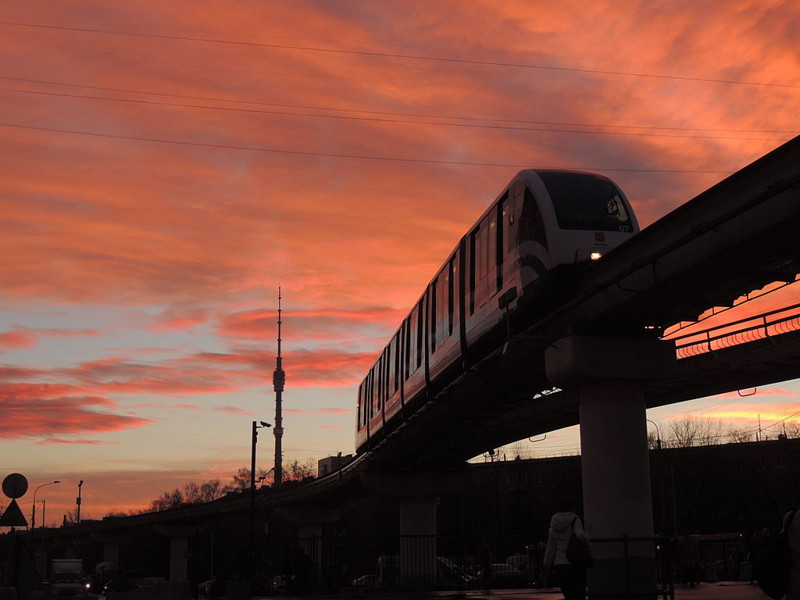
pixel 724 590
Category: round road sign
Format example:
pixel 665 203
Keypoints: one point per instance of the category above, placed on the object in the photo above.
pixel 15 485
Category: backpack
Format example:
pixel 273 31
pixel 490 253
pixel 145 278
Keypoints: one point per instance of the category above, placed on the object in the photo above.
pixel 578 552
pixel 774 564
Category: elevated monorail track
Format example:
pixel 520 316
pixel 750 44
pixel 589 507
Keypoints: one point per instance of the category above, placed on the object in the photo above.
pixel 735 237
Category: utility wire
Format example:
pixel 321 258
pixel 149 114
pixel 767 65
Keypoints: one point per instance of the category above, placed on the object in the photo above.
pixel 332 154
pixel 549 129
pixel 415 57
pixel 375 112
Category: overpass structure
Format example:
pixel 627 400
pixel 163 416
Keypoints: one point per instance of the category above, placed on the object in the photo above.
pixel 600 359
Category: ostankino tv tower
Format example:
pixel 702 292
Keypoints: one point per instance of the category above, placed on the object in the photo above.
pixel 278 381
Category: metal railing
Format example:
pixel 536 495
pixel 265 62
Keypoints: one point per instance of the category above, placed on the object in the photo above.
pixel 742 331
pixel 330 564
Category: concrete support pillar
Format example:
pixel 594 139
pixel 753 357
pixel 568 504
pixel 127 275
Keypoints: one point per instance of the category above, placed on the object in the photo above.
pixel 178 559
pixel 418 495
pixel 418 541
pixel 609 375
pixel 616 488
pixel 111 553
pixel 178 550
pixel 309 523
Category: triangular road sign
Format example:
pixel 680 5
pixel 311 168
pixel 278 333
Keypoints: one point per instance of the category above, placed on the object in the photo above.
pixel 13 516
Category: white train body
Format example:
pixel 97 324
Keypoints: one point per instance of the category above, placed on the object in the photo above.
pixel 512 259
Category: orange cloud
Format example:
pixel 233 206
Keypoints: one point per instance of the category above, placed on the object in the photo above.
pixel 314 325
pixel 67 410
pixel 17 339
pixel 323 411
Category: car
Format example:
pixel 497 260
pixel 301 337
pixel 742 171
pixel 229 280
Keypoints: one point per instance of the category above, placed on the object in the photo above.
pixel 278 583
pixel 119 584
pixel 67 584
pixel 365 581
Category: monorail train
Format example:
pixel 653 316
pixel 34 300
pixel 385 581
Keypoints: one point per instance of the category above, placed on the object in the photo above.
pixel 509 265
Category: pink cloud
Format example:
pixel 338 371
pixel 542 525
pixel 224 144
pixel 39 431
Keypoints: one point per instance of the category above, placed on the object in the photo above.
pixel 52 440
pixel 16 339
pixel 323 411
pixel 67 410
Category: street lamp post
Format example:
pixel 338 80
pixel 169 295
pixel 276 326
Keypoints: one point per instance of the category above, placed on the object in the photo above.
pixel 254 440
pixel 33 511
pixel 256 427
pixel 78 504
pixel 658 433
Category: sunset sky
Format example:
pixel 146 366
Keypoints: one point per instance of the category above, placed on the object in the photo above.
pixel 166 166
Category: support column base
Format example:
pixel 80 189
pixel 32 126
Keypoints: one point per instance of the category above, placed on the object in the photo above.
pixel 618 578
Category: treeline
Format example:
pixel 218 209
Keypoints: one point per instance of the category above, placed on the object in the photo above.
pixel 689 432
pixel 193 493
pixel 198 493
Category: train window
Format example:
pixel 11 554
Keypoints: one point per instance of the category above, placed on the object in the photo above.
pixel 370 405
pixel 376 387
pixel 531 225
pixel 359 404
pixel 498 253
pixel 441 307
pixel 481 267
pixel 491 253
pixel 407 360
pixel 396 363
pixel 450 294
pixel 420 332
pixel 433 310
pixel 387 371
pixel 473 247
pixel 586 201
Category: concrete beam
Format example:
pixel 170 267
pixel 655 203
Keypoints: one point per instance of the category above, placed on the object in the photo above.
pixel 576 360
pixel 414 484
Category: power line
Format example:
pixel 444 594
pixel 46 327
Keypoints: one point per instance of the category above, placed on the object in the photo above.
pixel 416 57
pixel 376 112
pixel 332 154
pixel 549 129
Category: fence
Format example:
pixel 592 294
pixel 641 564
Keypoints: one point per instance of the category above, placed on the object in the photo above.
pixel 332 563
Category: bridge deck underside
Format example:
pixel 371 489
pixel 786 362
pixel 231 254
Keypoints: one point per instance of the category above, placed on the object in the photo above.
pixel 494 405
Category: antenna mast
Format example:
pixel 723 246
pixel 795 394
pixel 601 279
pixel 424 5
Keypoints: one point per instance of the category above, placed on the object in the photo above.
pixel 278 381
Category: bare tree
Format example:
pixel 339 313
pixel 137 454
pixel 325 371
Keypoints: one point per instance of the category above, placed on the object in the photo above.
pixel 240 481
pixel 737 435
pixel 297 471
pixel 688 432
pixel 791 429
pixel 168 500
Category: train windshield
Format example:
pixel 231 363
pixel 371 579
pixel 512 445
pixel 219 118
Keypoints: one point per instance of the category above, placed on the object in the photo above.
pixel 585 201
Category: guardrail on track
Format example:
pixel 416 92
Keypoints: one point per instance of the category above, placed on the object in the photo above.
pixel 735 333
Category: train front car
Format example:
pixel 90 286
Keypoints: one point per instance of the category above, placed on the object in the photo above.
pixel 515 261
pixel 565 219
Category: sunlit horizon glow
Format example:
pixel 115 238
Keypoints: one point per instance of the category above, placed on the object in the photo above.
pixel 167 166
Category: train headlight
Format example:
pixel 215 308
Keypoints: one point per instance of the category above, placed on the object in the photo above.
pixel 595 256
